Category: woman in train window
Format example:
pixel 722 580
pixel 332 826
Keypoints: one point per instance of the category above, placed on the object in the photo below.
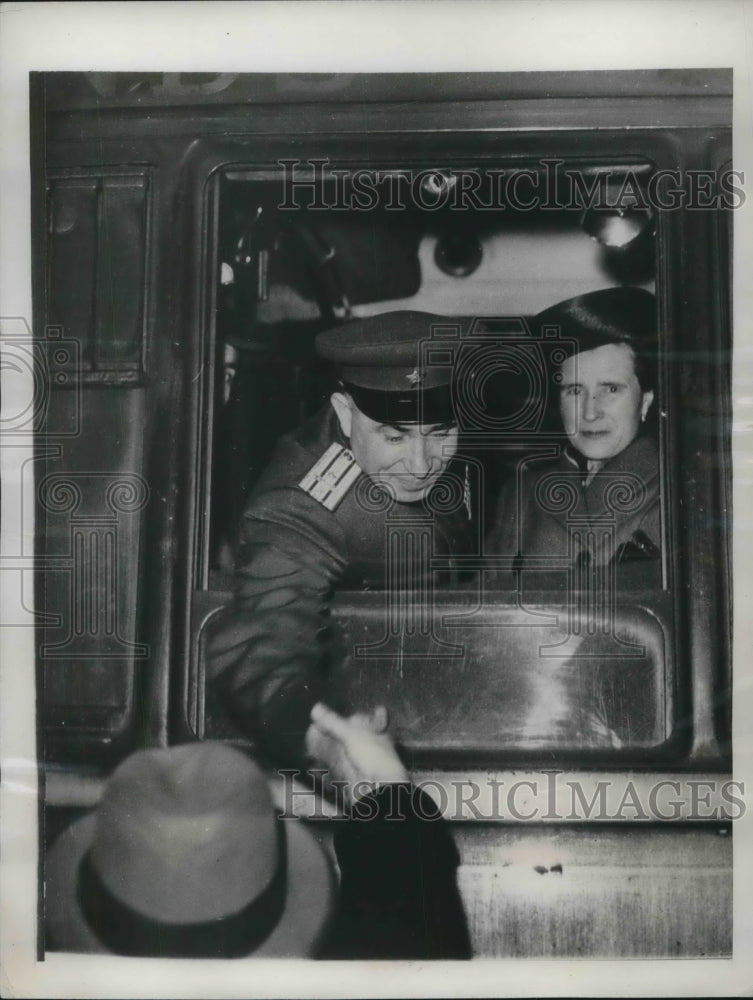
pixel 598 504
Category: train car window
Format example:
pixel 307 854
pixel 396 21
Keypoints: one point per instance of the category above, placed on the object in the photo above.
pixel 517 662
pixel 301 252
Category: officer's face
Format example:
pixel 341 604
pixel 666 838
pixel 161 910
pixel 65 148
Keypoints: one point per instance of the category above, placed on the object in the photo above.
pixel 407 459
pixel 601 401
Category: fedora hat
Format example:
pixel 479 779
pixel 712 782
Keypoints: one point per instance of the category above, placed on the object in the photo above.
pixel 185 857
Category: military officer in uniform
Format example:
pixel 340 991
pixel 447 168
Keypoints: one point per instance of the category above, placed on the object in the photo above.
pixel 319 518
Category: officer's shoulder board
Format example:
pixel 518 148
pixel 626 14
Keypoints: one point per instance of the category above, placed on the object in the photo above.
pixel 330 478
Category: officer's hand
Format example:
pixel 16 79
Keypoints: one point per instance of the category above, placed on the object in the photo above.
pixel 356 751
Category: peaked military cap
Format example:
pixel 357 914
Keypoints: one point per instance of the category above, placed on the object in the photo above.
pixel 384 366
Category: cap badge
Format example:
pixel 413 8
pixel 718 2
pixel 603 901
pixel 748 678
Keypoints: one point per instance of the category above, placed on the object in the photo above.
pixel 415 377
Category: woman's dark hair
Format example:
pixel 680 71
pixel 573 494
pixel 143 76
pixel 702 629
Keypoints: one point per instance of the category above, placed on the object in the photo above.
pixel 609 316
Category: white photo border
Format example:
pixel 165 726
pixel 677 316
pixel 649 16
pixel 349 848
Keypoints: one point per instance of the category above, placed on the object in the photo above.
pixel 473 36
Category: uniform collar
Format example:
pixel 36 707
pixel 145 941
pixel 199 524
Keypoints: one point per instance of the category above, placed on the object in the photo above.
pixel 639 457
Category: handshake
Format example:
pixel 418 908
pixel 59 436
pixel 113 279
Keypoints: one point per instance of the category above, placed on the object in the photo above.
pixel 357 751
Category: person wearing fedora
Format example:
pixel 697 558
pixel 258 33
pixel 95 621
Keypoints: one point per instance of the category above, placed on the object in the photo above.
pixel 317 522
pixel 185 857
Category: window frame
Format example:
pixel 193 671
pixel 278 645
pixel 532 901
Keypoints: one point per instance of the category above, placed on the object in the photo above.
pixel 660 148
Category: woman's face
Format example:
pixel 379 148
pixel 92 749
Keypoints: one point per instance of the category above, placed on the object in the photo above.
pixel 601 401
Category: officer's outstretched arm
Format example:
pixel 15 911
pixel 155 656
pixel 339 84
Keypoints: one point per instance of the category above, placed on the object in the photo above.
pixel 268 649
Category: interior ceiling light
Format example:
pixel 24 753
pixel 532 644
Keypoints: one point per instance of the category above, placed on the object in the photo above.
pixel 436 186
pixel 617 228
pixel 458 253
